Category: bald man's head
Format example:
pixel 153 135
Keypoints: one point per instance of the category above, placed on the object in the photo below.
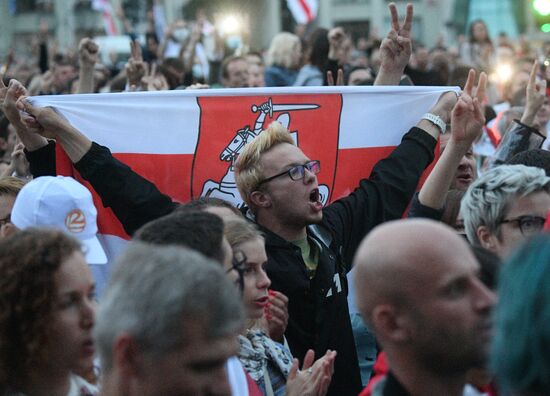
pixel 390 260
pixel 418 287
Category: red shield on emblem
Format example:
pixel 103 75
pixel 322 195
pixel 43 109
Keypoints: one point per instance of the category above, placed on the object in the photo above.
pixel 228 123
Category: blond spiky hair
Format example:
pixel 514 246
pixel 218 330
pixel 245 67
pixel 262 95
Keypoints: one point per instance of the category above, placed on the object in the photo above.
pixel 248 170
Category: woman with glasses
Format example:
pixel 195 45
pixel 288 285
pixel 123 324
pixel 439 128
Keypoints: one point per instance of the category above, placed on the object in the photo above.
pixel 269 363
pixel 47 312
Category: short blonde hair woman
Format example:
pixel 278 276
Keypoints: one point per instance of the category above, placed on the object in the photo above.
pixel 284 58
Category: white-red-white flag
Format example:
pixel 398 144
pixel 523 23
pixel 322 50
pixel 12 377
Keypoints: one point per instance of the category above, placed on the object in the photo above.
pixel 106 9
pixel 303 11
pixel 185 141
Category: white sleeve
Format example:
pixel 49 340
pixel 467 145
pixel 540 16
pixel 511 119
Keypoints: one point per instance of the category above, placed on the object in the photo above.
pixel 236 377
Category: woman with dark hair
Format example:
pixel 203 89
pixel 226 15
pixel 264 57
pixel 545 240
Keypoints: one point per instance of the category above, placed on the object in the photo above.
pixel 47 313
pixel 312 73
pixel 478 51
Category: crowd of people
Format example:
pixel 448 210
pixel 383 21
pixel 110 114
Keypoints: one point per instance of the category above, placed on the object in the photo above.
pixel 387 291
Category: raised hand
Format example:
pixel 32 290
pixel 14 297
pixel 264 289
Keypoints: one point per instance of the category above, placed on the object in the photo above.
pixel 88 52
pixel 396 48
pixel 339 78
pixel 338 47
pixel 49 123
pixel 535 97
pixel 467 118
pixel 8 102
pixel 8 97
pixel 136 68
pixel 42 120
pixel 46 83
pixel 153 81
pixel 19 161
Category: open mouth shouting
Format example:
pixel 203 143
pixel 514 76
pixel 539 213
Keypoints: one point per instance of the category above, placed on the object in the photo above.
pixel 315 200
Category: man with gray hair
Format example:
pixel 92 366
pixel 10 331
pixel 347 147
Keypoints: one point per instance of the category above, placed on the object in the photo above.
pixel 167 324
pixel 505 206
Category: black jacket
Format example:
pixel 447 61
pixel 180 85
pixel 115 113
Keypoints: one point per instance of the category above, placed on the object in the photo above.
pixel 133 199
pixel 318 309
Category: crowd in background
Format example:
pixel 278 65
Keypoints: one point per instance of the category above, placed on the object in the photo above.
pixel 425 317
pixel 192 53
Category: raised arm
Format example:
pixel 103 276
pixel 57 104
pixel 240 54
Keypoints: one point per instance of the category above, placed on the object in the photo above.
pixel 467 121
pixel 8 98
pixel 396 48
pixel 527 134
pixel 441 109
pixel 336 55
pixel 535 97
pixel 87 58
pixel 47 122
pixel 135 68
pixel 188 49
pixel 133 199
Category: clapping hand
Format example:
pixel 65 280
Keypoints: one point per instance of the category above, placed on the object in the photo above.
pixel 314 378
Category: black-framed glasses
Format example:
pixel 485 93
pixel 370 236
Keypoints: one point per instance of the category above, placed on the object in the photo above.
pixel 528 225
pixel 5 220
pixel 297 172
pixel 238 263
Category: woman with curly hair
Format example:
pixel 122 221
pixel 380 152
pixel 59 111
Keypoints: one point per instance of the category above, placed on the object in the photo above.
pixel 47 313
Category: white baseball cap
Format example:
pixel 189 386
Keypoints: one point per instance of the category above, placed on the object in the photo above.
pixel 63 203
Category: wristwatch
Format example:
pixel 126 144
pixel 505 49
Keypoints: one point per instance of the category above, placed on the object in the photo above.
pixel 437 121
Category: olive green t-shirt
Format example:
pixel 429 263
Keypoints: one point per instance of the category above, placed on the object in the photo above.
pixel 310 254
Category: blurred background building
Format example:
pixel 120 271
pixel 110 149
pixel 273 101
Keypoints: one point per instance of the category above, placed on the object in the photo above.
pixel 256 21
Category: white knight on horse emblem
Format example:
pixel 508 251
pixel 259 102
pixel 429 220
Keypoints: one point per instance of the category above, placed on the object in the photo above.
pixel 226 189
